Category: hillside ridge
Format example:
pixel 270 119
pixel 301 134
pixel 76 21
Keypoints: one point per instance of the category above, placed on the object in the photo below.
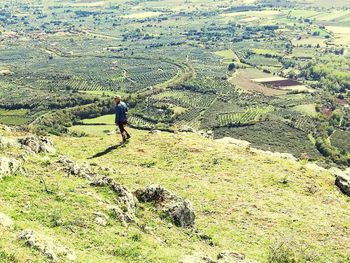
pixel 60 198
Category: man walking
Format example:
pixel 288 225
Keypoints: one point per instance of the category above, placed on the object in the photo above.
pixel 120 117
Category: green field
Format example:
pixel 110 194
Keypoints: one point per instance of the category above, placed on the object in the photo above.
pixel 197 76
pixel 176 64
pixel 107 119
pixel 308 109
pixel 14 117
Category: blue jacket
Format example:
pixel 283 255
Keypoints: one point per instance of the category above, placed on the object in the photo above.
pixel 120 112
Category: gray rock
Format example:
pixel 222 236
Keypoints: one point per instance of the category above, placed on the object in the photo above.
pixel 5 128
pixel 125 208
pixel 179 210
pixel 155 131
pixel 101 218
pixel 6 142
pixel 119 214
pixel 223 257
pixel 232 257
pixel 185 129
pixel 71 168
pixel 286 156
pixel 47 247
pixel 196 258
pixel 342 180
pixel 5 221
pixel 9 166
pixel 38 145
pixel 235 142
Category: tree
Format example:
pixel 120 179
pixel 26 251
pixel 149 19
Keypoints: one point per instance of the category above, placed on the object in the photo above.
pixel 232 67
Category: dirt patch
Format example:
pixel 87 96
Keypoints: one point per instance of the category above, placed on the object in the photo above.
pixel 281 83
pixel 326 111
pixel 243 80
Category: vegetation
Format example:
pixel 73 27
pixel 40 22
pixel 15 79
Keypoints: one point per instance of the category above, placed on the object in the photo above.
pixel 274 73
pixel 237 65
pixel 270 209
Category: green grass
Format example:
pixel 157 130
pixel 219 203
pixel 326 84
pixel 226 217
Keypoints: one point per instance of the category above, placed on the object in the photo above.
pixel 14 120
pixel 244 202
pixel 340 139
pixel 273 136
pixel 106 119
pixel 18 112
pixel 14 117
pixel 93 130
pixel 228 55
pixel 307 109
pixel 259 51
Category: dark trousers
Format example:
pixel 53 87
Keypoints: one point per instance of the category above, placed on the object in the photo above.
pixel 121 126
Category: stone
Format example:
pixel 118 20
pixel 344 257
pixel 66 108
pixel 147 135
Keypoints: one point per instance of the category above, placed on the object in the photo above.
pixel 9 166
pixel 223 257
pixel 314 167
pixel 47 246
pixel 286 156
pixel 196 258
pixel 235 142
pixel 232 257
pixel 6 142
pixel 125 207
pixel 101 218
pixel 342 180
pixel 5 128
pixel 118 214
pixel 73 169
pixel 5 221
pixel 185 129
pixel 38 144
pixel 179 210
pixel 155 131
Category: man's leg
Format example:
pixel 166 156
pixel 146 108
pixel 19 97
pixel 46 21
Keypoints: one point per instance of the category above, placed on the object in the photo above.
pixel 122 130
pixel 126 132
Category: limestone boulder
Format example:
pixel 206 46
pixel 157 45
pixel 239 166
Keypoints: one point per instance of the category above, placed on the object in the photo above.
pixel 125 205
pixel 9 166
pixel 5 221
pixel 47 246
pixel 37 144
pixel 179 210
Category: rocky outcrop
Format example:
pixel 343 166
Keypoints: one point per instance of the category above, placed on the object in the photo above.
pixel 223 257
pixel 186 128
pixel 125 207
pixel 179 210
pixel 342 180
pixel 5 221
pixel 37 144
pixel 47 247
pixel 73 169
pixel 286 156
pixel 235 142
pixel 233 257
pixel 5 128
pixel 6 142
pixel 9 166
pixel 101 218
pixel 196 258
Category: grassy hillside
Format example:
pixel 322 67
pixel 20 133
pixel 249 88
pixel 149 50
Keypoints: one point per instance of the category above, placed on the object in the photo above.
pixel 250 203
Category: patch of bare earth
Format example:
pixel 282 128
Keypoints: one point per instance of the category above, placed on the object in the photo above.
pixel 242 79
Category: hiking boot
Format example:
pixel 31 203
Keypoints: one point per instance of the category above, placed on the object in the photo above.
pixel 128 136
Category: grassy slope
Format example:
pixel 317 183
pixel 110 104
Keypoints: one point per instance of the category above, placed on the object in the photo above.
pixel 245 202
